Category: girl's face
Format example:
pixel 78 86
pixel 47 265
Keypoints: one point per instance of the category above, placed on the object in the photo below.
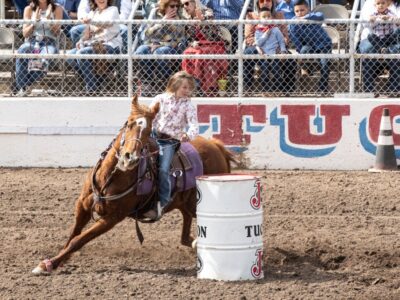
pixel 184 90
pixel 101 4
pixel 381 5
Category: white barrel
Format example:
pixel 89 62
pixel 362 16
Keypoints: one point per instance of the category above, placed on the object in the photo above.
pixel 229 227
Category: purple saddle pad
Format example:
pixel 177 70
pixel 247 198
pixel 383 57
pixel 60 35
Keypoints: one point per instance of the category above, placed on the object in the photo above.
pixel 179 181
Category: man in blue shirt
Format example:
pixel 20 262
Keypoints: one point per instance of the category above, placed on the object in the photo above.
pixel 311 39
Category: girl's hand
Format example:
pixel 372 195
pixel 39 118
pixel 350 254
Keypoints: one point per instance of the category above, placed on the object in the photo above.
pixel 85 20
pixel 36 14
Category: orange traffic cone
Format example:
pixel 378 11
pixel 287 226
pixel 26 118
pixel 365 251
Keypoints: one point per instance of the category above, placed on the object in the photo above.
pixel 385 159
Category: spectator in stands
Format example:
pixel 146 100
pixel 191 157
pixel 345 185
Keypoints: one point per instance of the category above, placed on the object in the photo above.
pixel 287 8
pixel 382 35
pixel 372 68
pixel 311 38
pixel 269 40
pixel 288 67
pixel 45 35
pixel 104 37
pixel 227 10
pixel 125 9
pixel 367 11
pixel 161 39
pixel 197 33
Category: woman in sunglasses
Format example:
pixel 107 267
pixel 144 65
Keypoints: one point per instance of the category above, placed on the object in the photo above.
pixel 161 39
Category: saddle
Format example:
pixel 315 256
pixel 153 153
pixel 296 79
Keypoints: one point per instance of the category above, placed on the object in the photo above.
pixel 186 165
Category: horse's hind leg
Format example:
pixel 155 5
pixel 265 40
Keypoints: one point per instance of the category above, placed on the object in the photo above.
pixel 186 238
pixel 188 210
pixel 98 228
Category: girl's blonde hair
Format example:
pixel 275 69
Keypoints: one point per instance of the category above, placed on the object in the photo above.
pixel 176 81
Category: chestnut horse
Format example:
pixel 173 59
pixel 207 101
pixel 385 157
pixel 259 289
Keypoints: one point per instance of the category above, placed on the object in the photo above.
pixel 110 188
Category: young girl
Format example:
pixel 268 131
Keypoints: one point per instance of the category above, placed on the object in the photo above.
pixel 175 121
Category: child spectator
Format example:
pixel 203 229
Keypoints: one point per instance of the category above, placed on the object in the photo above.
pixel 269 39
pixel 382 35
pixel 310 39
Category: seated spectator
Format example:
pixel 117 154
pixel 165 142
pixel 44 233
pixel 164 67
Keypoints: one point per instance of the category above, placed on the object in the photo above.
pixel 311 38
pixel 161 39
pixel 287 8
pixel 382 35
pixel 204 39
pixel 42 35
pixel 269 39
pixel 197 33
pixel 103 38
pixel 380 38
pixel 227 10
pixel 287 67
pixel 125 8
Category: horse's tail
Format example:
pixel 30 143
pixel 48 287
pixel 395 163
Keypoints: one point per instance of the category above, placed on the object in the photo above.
pixel 229 156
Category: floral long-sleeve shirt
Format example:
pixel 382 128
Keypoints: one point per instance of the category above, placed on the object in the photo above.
pixel 176 116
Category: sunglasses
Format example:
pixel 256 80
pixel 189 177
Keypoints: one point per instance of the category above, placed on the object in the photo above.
pixel 173 6
pixel 186 3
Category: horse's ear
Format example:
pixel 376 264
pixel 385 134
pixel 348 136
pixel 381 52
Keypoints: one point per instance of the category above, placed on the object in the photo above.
pixel 155 108
pixel 135 100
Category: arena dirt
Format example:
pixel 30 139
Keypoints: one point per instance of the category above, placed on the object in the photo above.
pixel 327 235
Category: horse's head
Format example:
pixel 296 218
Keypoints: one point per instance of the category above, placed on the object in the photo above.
pixel 136 134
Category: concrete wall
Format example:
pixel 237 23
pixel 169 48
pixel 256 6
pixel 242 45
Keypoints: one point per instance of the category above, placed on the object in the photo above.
pixel 268 133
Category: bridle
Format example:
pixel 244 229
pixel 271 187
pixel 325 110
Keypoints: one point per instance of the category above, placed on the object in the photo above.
pixel 144 154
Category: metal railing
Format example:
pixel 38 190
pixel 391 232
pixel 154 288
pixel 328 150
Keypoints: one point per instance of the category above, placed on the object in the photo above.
pixel 223 73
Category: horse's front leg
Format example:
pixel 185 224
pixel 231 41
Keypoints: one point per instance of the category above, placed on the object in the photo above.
pixel 98 228
pixel 82 217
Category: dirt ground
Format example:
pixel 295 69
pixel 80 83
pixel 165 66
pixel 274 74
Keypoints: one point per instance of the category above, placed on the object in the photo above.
pixel 327 235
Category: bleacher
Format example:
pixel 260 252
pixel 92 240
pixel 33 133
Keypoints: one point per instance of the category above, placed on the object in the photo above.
pixel 62 80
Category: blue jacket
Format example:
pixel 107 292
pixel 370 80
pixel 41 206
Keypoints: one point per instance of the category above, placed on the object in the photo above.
pixel 312 35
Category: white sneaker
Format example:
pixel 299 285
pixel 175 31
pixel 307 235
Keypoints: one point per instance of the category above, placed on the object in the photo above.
pixel 22 93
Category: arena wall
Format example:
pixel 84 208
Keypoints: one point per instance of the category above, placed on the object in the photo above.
pixel 279 133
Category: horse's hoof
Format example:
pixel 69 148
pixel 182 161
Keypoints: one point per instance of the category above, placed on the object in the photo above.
pixel 194 244
pixel 44 268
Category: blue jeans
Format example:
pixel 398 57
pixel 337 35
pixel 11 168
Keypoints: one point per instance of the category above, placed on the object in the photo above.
pixel 283 72
pixel 76 32
pixel 372 68
pixel 24 78
pixel 166 153
pixel 20 6
pixel 161 68
pixel 85 67
pixel 324 65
